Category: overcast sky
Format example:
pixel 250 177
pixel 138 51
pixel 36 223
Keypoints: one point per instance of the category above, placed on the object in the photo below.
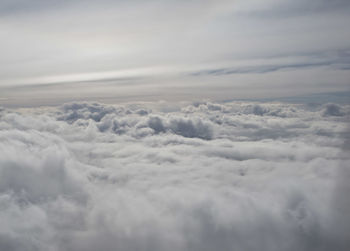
pixel 184 49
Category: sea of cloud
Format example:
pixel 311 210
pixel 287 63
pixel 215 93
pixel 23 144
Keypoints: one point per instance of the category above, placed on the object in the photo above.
pixel 159 177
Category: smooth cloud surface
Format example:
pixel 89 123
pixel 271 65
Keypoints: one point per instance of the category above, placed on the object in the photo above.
pixel 207 176
pixel 53 52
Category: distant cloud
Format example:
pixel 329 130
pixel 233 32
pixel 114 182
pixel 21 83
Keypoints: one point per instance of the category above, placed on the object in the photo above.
pixel 338 59
pixel 230 44
pixel 333 110
pixel 256 69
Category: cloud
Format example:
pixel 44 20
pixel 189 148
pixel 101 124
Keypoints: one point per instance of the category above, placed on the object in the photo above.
pixel 102 49
pixel 259 69
pixel 333 110
pixel 206 176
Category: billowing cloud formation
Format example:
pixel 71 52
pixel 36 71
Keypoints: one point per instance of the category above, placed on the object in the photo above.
pixel 207 176
pixel 333 110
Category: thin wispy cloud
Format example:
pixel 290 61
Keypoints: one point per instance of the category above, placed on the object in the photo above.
pixel 50 42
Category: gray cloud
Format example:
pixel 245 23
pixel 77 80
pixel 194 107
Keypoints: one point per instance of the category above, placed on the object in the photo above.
pixel 333 110
pixel 257 69
pixel 207 176
pixel 267 68
pixel 157 45
pixel 289 9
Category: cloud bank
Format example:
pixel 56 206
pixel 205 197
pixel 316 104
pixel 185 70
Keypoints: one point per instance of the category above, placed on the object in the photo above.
pixel 205 176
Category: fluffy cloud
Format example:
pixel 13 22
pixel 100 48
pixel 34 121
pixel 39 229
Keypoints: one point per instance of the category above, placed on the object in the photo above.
pixel 206 176
pixel 333 110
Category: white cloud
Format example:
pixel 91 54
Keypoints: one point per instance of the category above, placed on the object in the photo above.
pixel 208 176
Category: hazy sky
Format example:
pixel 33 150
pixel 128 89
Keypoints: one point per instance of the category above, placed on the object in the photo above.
pixel 174 125
pixel 184 49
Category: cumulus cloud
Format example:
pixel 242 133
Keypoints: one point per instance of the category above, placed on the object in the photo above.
pixel 333 110
pixel 207 176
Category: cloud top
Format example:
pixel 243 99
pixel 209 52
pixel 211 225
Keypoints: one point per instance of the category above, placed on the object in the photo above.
pixel 205 176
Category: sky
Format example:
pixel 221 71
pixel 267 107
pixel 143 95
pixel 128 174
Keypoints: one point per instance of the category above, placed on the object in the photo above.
pixel 56 51
pixel 168 125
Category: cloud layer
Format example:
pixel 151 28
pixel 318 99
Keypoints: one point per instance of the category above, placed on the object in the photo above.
pixel 137 50
pixel 205 176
